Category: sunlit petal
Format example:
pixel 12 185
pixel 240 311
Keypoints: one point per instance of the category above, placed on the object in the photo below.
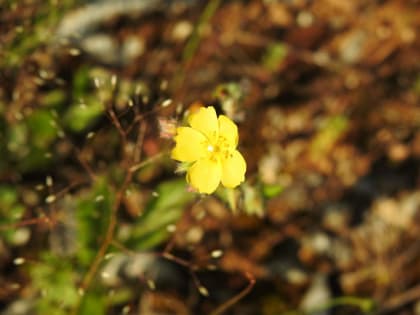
pixel 190 145
pixel 204 175
pixel 228 130
pixel 233 170
pixel 205 121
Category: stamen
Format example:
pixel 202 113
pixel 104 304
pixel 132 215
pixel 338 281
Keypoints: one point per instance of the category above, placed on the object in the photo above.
pixel 210 148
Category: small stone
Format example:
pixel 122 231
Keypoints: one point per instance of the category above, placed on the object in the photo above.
pixel 217 253
pixel 19 261
pixel 317 294
pixel 305 19
pixel 203 291
pixel 50 199
pixel 102 47
pixel 182 30
pixel 133 47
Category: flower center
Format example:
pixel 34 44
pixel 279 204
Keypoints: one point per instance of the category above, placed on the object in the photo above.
pixel 221 149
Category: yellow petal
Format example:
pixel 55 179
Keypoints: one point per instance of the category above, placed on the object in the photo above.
pixel 228 130
pixel 205 121
pixel 233 170
pixel 190 145
pixel 205 175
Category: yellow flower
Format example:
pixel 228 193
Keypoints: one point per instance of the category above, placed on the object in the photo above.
pixel 210 145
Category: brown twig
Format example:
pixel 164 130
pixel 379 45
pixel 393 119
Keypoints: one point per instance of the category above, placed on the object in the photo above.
pixel 46 218
pixel 193 272
pixel 139 118
pixel 140 139
pixel 115 121
pixel 175 259
pixel 27 222
pixel 400 300
pixel 87 279
pixel 84 163
pixel 193 43
pixel 73 185
pixel 138 166
pixel 232 301
pixel 109 234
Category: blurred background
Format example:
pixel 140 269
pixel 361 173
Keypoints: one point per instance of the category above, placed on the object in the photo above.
pixel 96 219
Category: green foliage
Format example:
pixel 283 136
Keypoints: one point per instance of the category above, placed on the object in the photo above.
pixel 29 140
pixel 81 116
pixel 41 128
pixel 94 303
pixel 274 55
pixel 328 134
pixel 53 99
pixel 11 211
pixel 229 95
pixel 17 138
pixel 416 85
pixel 81 82
pixel 26 39
pixel 253 199
pixel 164 209
pixel 93 213
pixel 55 280
pixel 86 108
pixel 3 140
pixel 271 190
pixel 249 198
pixel 230 196
pixel 56 276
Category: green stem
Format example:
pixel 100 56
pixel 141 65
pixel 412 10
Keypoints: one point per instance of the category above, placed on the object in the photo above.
pixel 109 234
pixel 366 305
pixel 194 41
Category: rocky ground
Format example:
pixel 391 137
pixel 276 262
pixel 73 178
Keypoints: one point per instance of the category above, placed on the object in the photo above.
pixel 95 220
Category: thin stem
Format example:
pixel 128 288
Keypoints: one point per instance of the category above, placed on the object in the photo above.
pixel 117 124
pixel 87 280
pixel 84 163
pixel 147 162
pixel 35 221
pixel 194 41
pixel 140 139
pixel 109 234
pixel 229 303
pixel 366 305
pixel 400 300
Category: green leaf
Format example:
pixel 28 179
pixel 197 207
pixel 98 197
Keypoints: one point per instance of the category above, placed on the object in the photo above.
pixel 270 191
pixel 42 129
pixel 55 279
pixel 81 82
pixel 53 99
pixel 274 55
pixel 17 139
pixel 253 200
pixel 328 134
pixel 11 211
pixel 82 115
pixel 93 303
pixel 161 211
pixel 8 197
pixel 93 214
pixel 29 141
